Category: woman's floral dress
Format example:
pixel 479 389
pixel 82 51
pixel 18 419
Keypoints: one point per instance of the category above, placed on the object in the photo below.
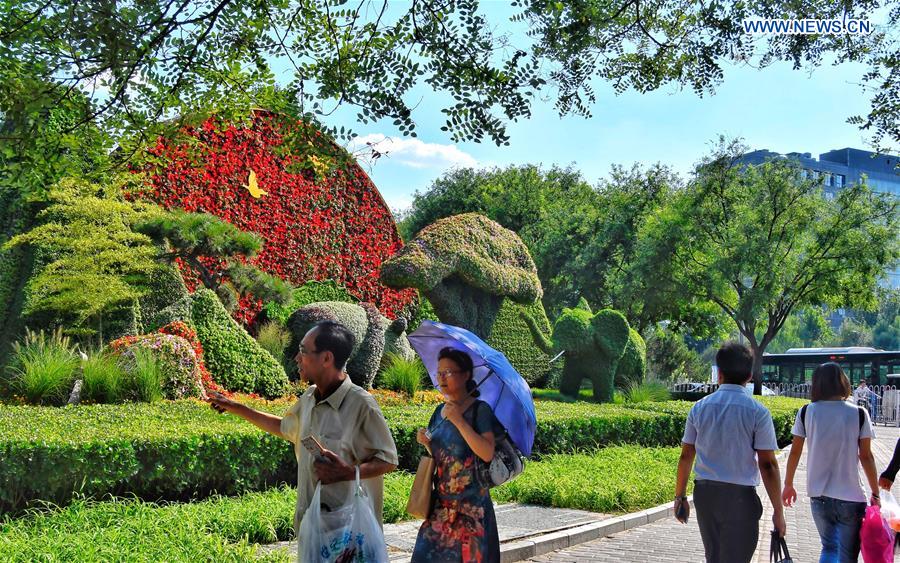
pixel 462 526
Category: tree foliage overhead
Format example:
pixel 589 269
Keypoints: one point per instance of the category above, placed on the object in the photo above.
pixel 759 242
pixel 142 62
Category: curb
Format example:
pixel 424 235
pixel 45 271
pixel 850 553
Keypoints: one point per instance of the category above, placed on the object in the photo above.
pixel 526 549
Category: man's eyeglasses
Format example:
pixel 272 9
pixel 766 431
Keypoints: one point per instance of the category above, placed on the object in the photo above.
pixel 304 352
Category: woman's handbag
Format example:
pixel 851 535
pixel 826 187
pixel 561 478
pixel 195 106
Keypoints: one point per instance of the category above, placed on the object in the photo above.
pixel 778 553
pixel 507 463
pixel 420 497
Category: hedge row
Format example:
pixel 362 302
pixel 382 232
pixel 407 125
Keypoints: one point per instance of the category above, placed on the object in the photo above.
pixel 181 450
pixel 619 479
pixel 783 409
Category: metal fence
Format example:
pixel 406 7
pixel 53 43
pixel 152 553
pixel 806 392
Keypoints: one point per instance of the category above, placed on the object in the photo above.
pixel 881 401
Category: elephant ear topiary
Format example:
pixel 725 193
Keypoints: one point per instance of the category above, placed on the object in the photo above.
pixel 633 364
pixel 479 276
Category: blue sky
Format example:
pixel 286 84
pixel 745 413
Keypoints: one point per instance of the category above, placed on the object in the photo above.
pixel 776 108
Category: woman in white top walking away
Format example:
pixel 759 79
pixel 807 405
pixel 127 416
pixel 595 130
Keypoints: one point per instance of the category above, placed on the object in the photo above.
pixel 840 439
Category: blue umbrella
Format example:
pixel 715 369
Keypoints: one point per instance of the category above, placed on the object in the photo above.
pixel 500 384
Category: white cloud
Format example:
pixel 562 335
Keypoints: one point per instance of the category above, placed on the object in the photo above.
pixel 398 202
pixel 411 152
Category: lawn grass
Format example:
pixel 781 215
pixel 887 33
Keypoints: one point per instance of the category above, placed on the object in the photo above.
pixel 618 479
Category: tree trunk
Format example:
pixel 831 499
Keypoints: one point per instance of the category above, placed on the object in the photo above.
pixel 757 369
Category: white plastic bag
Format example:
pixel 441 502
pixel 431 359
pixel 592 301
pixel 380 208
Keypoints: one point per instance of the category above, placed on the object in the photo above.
pixel 350 533
pixel 890 510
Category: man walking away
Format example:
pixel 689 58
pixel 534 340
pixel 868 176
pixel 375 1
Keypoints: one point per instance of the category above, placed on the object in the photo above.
pixel 733 439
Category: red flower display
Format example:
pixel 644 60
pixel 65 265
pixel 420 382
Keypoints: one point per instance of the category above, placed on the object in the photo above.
pixel 319 220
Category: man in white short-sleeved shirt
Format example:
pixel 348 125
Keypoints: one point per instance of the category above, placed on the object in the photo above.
pixel 343 417
pixel 732 437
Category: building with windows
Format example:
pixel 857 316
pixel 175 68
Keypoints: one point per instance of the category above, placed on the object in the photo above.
pixel 842 167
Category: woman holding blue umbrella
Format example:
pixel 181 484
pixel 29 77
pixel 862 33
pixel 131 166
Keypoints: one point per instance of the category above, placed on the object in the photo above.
pixel 461 525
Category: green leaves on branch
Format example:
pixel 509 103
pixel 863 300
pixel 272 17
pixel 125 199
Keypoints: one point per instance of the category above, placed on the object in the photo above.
pixel 94 262
pixel 759 242
pixel 198 238
pixel 138 67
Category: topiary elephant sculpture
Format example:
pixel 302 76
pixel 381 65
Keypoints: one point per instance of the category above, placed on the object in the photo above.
pixel 600 347
pixel 376 336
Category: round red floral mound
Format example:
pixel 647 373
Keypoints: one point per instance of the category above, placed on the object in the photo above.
pixel 319 214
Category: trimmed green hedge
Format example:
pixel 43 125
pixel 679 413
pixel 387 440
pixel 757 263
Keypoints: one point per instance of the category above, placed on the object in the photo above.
pixel 783 409
pixel 179 450
pixel 164 450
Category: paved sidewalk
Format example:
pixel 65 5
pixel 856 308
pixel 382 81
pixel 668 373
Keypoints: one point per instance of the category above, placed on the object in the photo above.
pixel 671 541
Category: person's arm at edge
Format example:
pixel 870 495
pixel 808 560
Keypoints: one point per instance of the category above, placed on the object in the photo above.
pixel 789 494
pixel 263 420
pixel 868 464
pixel 685 464
pixel 771 477
pixel 890 473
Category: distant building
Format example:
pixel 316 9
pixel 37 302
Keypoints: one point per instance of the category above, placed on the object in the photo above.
pixel 842 167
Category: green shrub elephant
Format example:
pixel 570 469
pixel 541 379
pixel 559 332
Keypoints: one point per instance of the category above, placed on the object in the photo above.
pixel 600 347
pixel 376 336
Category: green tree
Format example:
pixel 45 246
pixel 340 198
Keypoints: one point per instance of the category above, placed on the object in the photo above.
pixel 854 333
pixel 144 61
pixel 885 335
pixel 94 263
pixel 670 359
pixel 813 328
pixel 760 243
pixel 206 243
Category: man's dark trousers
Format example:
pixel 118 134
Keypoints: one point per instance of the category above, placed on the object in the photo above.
pixel 728 516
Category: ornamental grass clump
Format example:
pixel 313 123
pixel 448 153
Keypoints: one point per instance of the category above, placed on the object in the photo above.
pixel 274 338
pixel 43 368
pixel 101 379
pixel 649 391
pixel 402 375
pixel 146 376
